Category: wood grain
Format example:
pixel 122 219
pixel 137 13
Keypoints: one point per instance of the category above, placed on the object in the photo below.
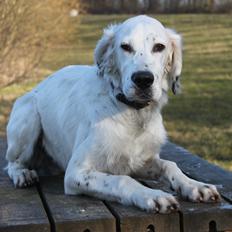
pixel 131 219
pixel 75 213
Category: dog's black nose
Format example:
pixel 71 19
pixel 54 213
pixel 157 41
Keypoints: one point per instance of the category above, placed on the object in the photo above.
pixel 142 79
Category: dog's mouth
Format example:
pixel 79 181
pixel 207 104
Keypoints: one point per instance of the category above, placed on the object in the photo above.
pixel 134 104
pixel 141 100
pixel 141 103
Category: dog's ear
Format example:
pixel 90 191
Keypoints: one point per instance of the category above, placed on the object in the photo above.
pixel 104 55
pixel 174 61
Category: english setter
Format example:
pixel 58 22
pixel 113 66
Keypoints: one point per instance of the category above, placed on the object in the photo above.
pixel 103 124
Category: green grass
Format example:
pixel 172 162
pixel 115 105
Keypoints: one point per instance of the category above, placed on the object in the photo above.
pixel 200 119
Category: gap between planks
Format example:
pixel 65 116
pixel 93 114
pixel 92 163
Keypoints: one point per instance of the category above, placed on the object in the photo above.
pixel 46 207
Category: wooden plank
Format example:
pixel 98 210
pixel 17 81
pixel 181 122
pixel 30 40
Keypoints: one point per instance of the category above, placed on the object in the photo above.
pixel 131 219
pixel 201 216
pixel 199 169
pixel 75 213
pixel 20 209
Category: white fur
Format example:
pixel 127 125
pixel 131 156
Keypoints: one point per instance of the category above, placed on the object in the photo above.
pixel 98 140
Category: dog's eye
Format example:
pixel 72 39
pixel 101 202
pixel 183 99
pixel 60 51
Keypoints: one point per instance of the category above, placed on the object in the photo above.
pixel 158 48
pixel 127 48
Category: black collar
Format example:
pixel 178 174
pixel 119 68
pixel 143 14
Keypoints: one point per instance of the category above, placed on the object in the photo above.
pixel 133 104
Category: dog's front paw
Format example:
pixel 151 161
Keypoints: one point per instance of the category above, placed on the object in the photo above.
pixel 199 192
pixel 156 201
pixel 24 177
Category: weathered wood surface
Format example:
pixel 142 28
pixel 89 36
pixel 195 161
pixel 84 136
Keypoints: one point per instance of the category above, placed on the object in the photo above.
pixel 75 213
pixel 20 209
pixel 131 219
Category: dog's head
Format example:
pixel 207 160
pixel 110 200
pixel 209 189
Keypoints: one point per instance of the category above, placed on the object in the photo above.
pixel 141 58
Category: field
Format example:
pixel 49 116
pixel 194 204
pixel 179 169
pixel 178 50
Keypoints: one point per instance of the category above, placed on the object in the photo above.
pixel 200 119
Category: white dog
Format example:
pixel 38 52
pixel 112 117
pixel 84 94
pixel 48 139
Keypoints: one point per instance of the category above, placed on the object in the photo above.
pixel 102 123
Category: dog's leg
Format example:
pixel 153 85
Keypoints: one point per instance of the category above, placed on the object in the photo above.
pixel 82 177
pixel 191 189
pixel 122 189
pixel 23 130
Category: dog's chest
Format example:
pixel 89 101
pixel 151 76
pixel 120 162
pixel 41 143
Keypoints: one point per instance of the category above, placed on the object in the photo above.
pixel 128 142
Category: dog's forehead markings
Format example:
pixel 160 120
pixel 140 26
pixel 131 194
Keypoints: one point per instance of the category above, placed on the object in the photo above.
pixel 145 38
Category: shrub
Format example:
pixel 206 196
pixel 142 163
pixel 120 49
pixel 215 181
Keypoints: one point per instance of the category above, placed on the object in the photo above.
pixel 26 29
